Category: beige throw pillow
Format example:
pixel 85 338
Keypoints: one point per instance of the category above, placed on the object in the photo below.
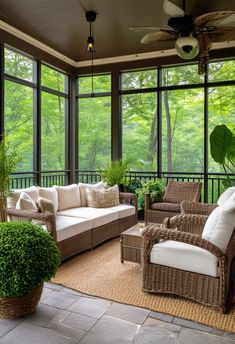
pixel 25 202
pixel 45 205
pixel 103 198
pixel 83 187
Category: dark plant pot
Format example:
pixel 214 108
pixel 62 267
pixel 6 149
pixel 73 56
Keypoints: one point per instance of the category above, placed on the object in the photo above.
pixel 19 306
pixel 141 214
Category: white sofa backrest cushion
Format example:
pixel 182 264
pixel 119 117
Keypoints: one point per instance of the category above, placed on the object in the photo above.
pixel 68 196
pixel 51 194
pixel 220 224
pixel 103 198
pixel 83 187
pixel 32 191
pixel 45 205
pixel 226 195
pixel 25 202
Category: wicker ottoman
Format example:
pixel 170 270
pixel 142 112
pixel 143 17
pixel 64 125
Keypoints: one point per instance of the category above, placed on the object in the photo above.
pixel 131 245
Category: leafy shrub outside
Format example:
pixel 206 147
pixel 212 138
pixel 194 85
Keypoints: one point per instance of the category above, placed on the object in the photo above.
pixel 156 188
pixel 28 257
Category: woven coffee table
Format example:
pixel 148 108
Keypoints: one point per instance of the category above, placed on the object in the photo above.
pixel 131 245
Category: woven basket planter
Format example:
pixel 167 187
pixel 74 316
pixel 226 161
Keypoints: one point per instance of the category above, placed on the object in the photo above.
pixel 20 306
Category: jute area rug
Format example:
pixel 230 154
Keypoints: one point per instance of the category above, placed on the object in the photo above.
pixel 100 273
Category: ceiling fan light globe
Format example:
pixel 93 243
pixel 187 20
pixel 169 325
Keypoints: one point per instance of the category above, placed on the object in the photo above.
pixel 187 47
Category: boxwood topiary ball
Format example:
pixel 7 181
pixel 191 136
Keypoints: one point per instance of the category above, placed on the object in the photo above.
pixel 28 257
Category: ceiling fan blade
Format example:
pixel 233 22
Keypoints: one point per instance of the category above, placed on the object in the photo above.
pixel 172 10
pixel 210 19
pixel 221 34
pixel 149 28
pixel 158 36
pixel 228 21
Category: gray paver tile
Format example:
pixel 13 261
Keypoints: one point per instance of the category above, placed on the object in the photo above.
pixel 67 331
pixel 161 316
pixel 91 307
pixel 198 337
pixel 53 286
pixel 42 315
pixel 60 300
pixel 160 323
pixel 80 321
pixel 192 324
pixel 30 334
pixel 71 291
pixel 59 317
pixel 111 330
pixel 126 312
pixel 154 335
pixel 46 292
pixel 8 325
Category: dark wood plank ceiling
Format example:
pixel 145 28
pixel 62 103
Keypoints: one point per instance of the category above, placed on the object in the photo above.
pixel 61 24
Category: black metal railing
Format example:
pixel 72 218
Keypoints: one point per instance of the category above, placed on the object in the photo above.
pixel 212 184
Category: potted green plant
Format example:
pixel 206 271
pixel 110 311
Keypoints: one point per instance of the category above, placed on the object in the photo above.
pixel 29 256
pixel 156 188
pixel 8 161
pixel 115 173
pixel 222 145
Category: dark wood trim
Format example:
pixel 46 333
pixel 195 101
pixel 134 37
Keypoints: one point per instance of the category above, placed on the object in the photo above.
pixel 17 43
pixel 159 125
pixel 206 138
pixel 116 127
pixel 1 90
pixel 71 140
pixel 37 125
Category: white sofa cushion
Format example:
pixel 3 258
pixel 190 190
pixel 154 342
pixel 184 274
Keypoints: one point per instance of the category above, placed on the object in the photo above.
pixel 25 202
pixel 184 257
pixel 226 195
pixel 83 187
pixel 49 193
pixel 123 210
pixel 45 205
pixel 32 191
pixel 68 196
pixel 103 198
pixel 220 224
pixel 67 227
pixel 99 216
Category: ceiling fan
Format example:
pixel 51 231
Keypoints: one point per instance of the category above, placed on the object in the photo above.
pixel 193 36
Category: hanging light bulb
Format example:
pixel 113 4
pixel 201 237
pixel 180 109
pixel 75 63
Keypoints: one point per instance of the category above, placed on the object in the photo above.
pixel 90 17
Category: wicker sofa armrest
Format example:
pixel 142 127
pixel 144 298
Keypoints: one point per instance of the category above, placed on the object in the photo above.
pixel 154 232
pixel 129 198
pixel 196 208
pixel 47 218
pixel 191 223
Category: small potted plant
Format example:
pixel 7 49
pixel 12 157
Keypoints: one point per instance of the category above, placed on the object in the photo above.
pixel 8 161
pixel 28 257
pixel 115 173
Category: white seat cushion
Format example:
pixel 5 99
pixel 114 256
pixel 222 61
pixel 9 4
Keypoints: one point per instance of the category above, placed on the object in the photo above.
pixel 50 193
pixel 99 216
pixel 184 257
pixel 32 191
pixel 123 210
pixel 68 196
pixel 220 224
pixel 83 187
pixel 226 195
pixel 67 227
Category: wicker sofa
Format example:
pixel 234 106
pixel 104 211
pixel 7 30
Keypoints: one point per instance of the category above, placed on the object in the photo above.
pixel 75 226
pixel 191 254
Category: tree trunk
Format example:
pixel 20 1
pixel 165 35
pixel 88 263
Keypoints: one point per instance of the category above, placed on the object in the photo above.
pixel 3 213
pixel 168 131
pixel 153 139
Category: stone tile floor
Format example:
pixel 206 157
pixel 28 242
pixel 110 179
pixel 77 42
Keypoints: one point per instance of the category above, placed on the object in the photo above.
pixel 65 316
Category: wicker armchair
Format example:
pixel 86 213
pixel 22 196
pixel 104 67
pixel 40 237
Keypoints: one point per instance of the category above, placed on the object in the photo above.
pixel 175 193
pixel 205 289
